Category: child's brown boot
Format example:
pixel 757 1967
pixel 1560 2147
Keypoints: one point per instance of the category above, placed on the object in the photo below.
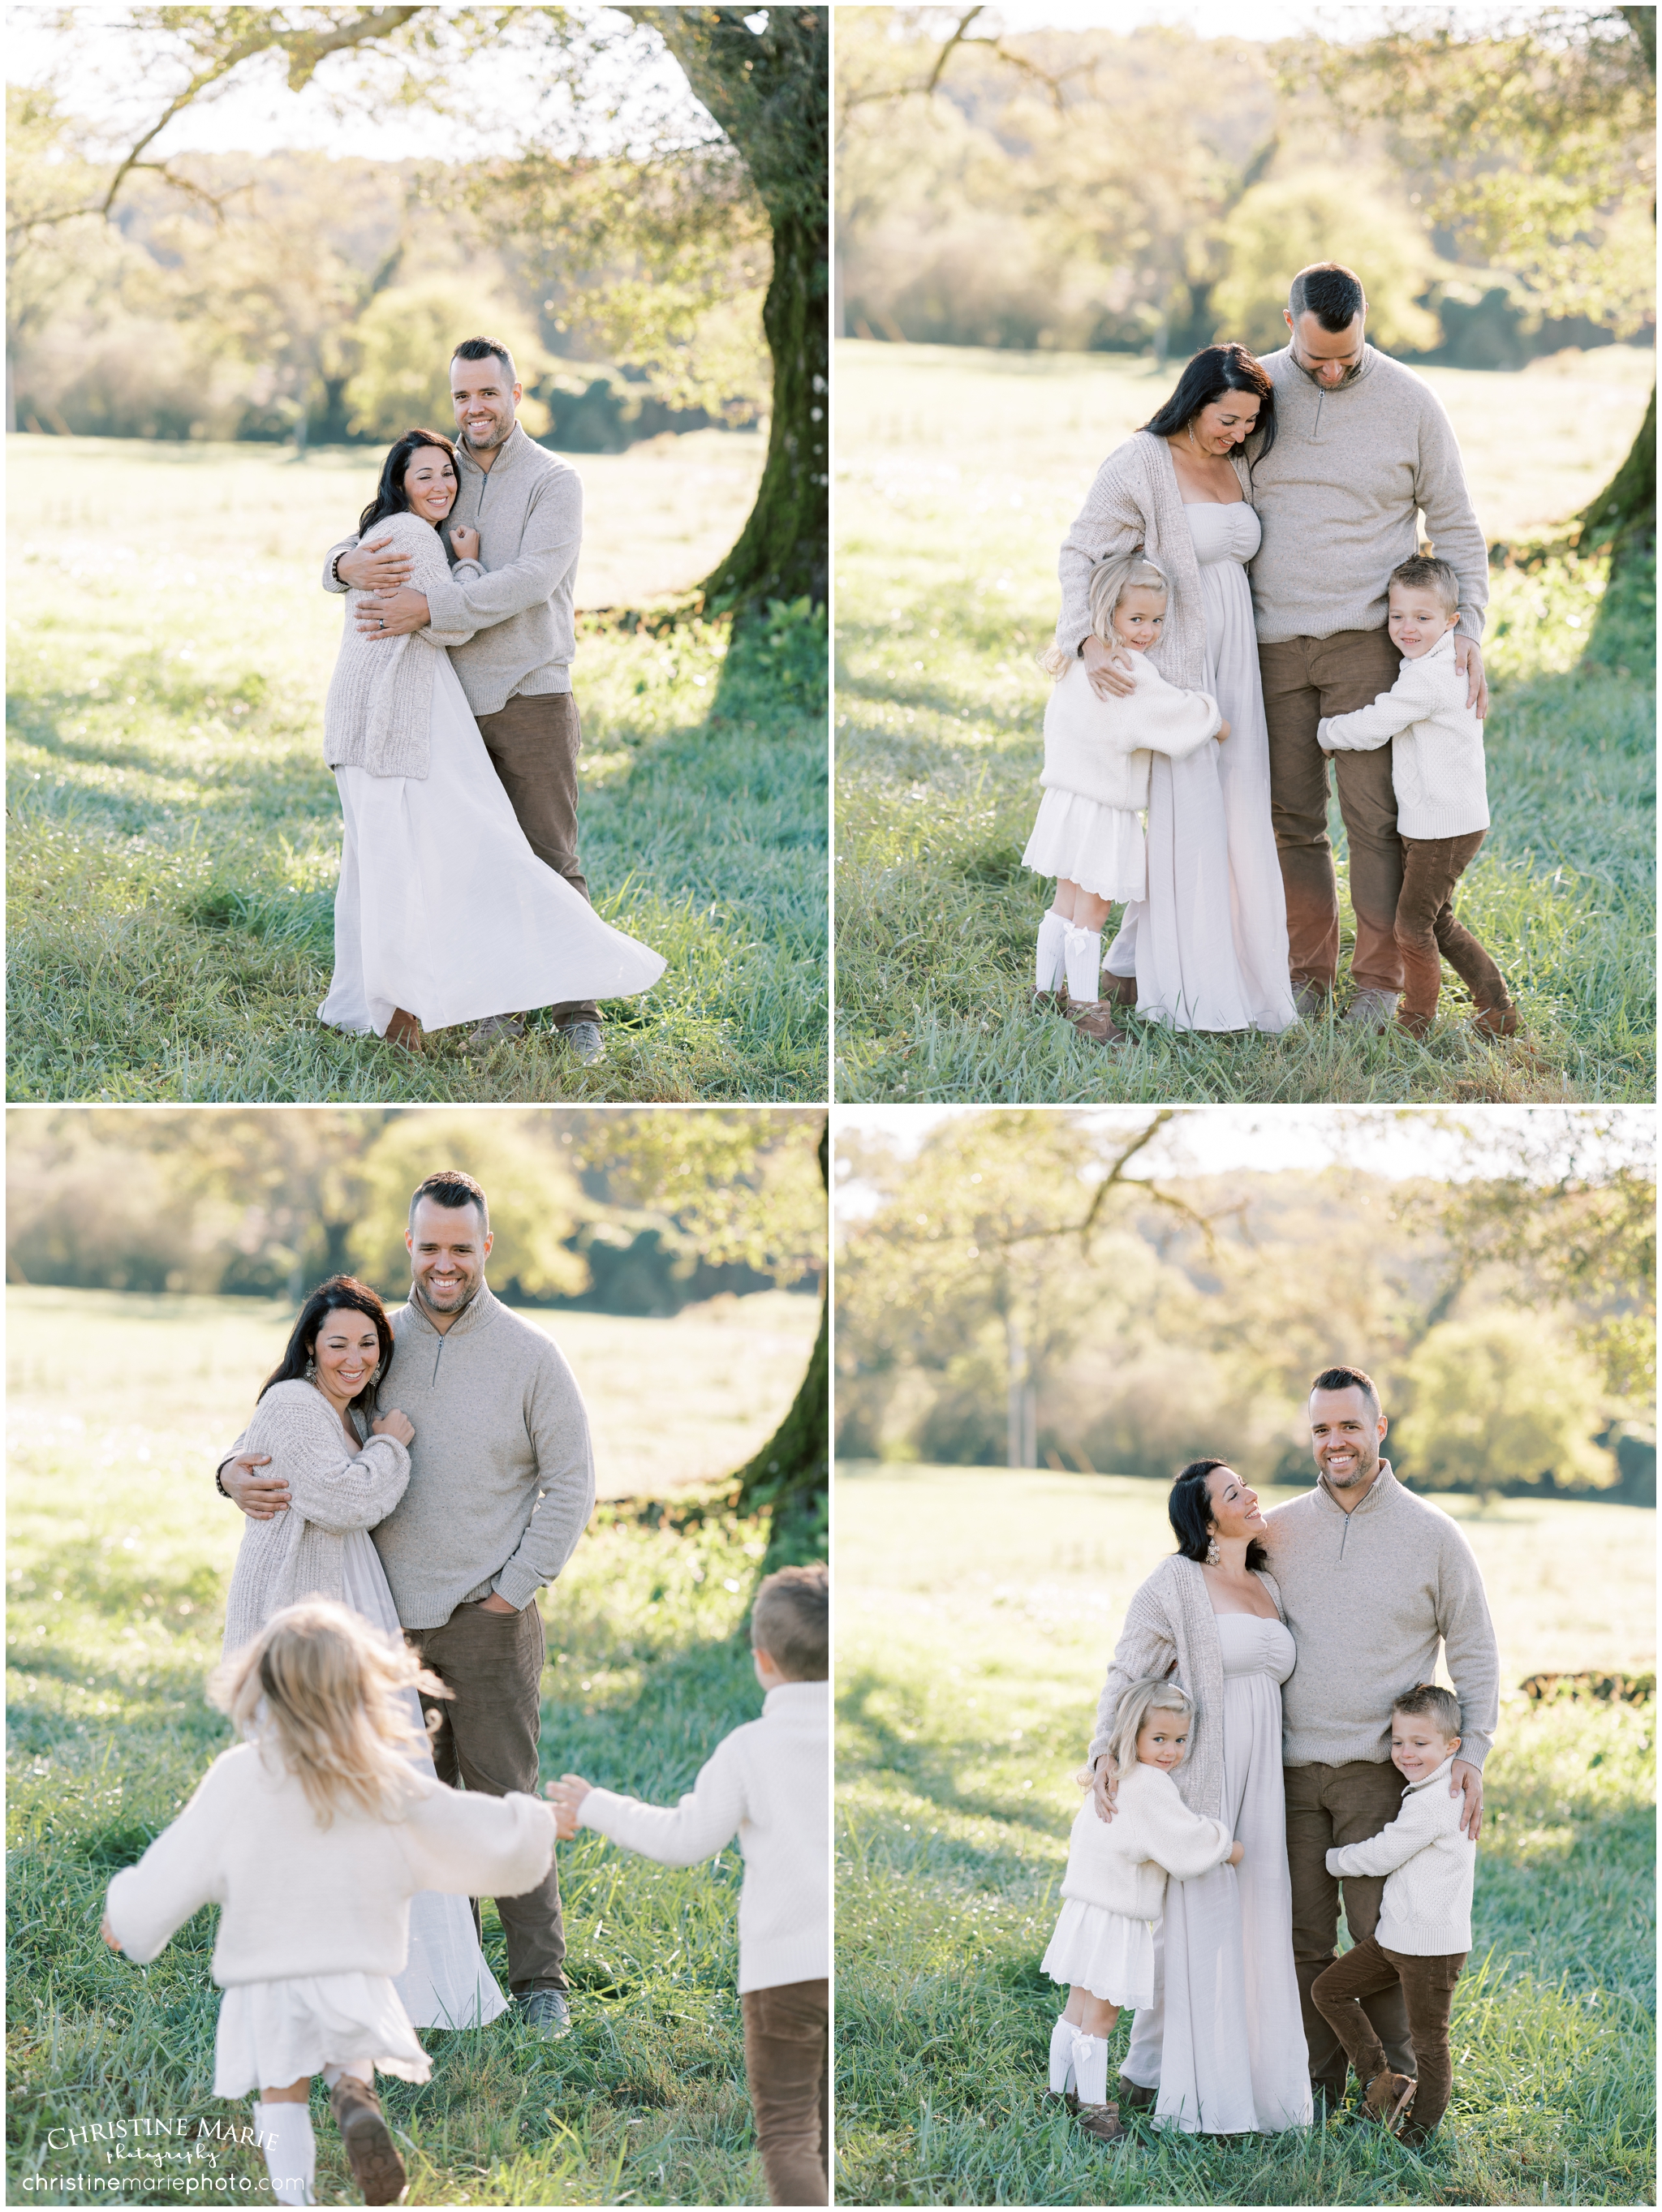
pixel 376 2167
pixel 1389 2096
pixel 1119 990
pixel 1497 1021
pixel 1092 1019
pixel 1102 2121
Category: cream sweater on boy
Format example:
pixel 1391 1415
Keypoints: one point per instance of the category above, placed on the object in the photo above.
pixel 1429 1867
pixel 1102 748
pixel 1121 1864
pixel 296 1899
pixel 1437 756
pixel 769 1784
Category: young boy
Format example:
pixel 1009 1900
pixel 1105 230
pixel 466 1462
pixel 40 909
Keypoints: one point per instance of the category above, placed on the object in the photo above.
pixel 1442 803
pixel 769 1783
pixel 1424 1929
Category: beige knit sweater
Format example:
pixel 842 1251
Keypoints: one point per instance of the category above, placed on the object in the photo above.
pixel 1136 500
pixel 381 696
pixel 1371 1595
pixel 1429 1869
pixel 298 1899
pixel 331 1490
pixel 1102 748
pixel 1121 1864
pixel 1171 1630
pixel 1437 755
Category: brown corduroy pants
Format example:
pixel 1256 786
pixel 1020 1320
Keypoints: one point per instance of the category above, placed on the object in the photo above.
pixel 534 745
pixel 787 2060
pixel 1427 1988
pixel 1427 933
pixel 1304 679
pixel 492 1663
pixel 1328 1807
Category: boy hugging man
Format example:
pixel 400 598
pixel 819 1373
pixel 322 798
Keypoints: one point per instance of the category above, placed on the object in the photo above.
pixel 1424 1929
pixel 1442 802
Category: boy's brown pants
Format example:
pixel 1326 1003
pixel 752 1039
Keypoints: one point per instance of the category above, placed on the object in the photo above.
pixel 1330 1806
pixel 787 2060
pixel 1427 1987
pixel 1427 933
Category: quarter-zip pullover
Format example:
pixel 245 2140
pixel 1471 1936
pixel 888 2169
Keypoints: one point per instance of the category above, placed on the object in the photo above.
pixel 1371 1596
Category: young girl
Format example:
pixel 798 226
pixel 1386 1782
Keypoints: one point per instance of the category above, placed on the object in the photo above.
pixel 1097 749
pixel 312 1836
pixel 1115 1886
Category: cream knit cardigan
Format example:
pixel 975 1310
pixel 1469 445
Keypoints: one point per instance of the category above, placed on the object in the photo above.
pixel 331 1491
pixel 381 695
pixel 298 1899
pixel 1171 1630
pixel 1429 1869
pixel 1102 748
pixel 1136 501
pixel 1121 1864
pixel 1437 759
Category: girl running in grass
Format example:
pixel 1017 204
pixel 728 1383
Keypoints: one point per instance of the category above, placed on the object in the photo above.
pixel 312 1836
pixel 1115 1887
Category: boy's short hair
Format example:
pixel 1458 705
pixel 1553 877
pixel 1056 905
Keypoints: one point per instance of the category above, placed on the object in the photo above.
pixel 790 1621
pixel 1431 1701
pixel 1425 573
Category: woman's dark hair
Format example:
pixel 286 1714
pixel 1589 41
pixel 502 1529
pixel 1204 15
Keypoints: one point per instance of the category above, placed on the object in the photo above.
pixel 1190 1509
pixel 390 495
pixel 341 1293
pixel 1214 371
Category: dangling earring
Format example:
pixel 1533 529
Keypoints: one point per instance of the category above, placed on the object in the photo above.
pixel 1213 1557
pixel 1193 439
pixel 311 1369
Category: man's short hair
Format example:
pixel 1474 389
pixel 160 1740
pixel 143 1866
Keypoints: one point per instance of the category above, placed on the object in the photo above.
pixel 790 1621
pixel 1425 573
pixel 482 350
pixel 1331 292
pixel 1431 1702
pixel 1346 1378
pixel 451 1188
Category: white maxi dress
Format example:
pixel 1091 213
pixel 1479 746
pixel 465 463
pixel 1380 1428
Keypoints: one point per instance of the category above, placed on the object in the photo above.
pixel 1208 945
pixel 443 909
pixel 1224 2037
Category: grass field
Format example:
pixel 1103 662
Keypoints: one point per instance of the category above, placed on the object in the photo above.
pixel 958 472
pixel 175 836
pixel 118 1558
pixel 975 1614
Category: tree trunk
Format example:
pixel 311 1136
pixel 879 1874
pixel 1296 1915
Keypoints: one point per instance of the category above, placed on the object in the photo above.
pixel 1624 516
pixel 790 1479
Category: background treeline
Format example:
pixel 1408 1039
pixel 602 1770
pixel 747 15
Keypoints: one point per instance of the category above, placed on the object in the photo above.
pixel 611 1212
pixel 295 295
pixel 1004 1297
pixel 1084 190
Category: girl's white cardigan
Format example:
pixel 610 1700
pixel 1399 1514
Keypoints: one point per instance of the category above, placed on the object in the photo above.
pixel 381 696
pixel 1170 1631
pixel 1101 748
pixel 1121 1864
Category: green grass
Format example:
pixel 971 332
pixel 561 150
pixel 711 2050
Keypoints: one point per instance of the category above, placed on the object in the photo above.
pixel 959 474
pixel 975 1614
pixel 118 1559
pixel 174 835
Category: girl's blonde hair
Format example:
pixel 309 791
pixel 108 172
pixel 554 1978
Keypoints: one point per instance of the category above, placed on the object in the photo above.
pixel 1110 579
pixel 1151 1695
pixel 321 1687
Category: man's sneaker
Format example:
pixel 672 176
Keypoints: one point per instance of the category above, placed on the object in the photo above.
pixel 494 1030
pixel 584 1041
pixel 376 2167
pixel 1310 1002
pixel 1371 1010
pixel 545 2013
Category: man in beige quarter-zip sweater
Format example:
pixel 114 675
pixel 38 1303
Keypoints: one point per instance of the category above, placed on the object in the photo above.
pixel 1374 1582
pixel 501 1485
pixel 1362 446
pixel 527 506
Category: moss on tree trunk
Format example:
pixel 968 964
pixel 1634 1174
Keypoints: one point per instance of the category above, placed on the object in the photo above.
pixel 789 1477
pixel 1624 516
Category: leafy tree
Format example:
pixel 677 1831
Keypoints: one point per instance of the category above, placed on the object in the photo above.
pixel 403 340
pixel 1502 1401
pixel 1322 214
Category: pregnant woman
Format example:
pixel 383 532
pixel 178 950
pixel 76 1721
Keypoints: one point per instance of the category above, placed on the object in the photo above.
pixel 346 1466
pixel 1207 948
pixel 443 912
pixel 1221 2049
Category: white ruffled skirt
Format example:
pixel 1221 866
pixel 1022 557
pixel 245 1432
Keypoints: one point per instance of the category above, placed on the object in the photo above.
pixel 1100 848
pixel 1103 1951
pixel 272 2033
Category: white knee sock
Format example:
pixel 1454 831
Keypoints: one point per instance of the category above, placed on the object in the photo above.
pixel 291 2151
pixel 1090 2069
pixel 1047 959
pixel 1083 951
pixel 1062 2055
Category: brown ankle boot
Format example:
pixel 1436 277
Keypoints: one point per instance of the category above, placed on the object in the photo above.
pixel 404 1029
pixel 1120 990
pixel 376 2167
pixel 1092 1019
pixel 1497 1021
pixel 1389 2096
pixel 1102 2121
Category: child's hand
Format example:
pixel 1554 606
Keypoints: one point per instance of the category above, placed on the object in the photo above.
pixel 109 1934
pixel 1236 1855
pixel 1222 731
pixel 566 1796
